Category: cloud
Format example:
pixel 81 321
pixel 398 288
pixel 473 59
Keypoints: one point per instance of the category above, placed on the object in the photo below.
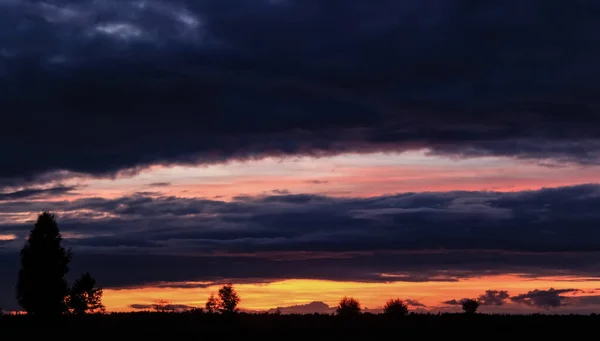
pixel 188 82
pixel 546 299
pixel 547 220
pixel 489 298
pixel 162 306
pixel 317 182
pixel 414 303
pixel 454 302
pixel 187 285
pixel 316 307
pixel 493 297
pixel 593 300
pixel 160 184
pixel 36 193
pixel 142 306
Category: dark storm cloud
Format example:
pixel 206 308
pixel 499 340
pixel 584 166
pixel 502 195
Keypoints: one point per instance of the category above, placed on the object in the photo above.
pixel 108 86
pixel 561 219
pixel 551 298
pixel 548 220
pixel 493 297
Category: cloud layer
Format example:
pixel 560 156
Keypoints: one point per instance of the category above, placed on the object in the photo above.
pixel 99 87
pixel 575 300
pixel 549 220
pixel 445 236
pixel 551 298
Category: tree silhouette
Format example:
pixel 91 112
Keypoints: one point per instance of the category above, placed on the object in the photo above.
pixel 84 296
pixel 228 299
pixel 348 306
pixel 212 304
pixel 162 306
pixel 41 285
pixel 395 307
pixel 470 306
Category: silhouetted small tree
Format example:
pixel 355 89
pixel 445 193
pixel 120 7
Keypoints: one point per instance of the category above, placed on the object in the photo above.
pixel 84 296
pixel 212 304
pixel 41 285
pixel 470 306
pixel 162 306
pixel 395 307
pixel 348 306
pixel 228 299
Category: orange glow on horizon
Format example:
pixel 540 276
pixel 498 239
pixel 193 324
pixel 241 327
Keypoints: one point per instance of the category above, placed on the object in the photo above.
pixel 285 293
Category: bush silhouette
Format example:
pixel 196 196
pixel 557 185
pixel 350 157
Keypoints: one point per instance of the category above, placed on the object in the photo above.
pixel 84 296
pixel 41 285
pixel 395 307
pixel 348 306
pixel 228 299
pixel 470 306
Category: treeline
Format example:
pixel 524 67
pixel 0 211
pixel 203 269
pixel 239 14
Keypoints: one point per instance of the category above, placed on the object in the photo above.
pixel 43 290
pixel 226 302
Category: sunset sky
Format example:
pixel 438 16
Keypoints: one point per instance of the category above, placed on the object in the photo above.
pixel 308 150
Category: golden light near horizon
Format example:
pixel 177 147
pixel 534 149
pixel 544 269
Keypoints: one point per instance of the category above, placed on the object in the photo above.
pixel 291 292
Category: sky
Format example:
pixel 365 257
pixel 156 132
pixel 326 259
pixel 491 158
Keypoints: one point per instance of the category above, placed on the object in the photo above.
pixel 308 150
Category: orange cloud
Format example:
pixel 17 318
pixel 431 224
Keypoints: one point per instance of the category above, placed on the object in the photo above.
pixel 7 237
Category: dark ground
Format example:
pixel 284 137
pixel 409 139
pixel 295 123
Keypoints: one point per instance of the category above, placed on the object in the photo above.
pixel 194 326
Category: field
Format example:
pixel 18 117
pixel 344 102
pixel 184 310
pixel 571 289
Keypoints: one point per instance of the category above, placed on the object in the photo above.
pixel 283 327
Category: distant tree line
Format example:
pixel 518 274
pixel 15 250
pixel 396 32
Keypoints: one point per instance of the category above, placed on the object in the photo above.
pixel 395 307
